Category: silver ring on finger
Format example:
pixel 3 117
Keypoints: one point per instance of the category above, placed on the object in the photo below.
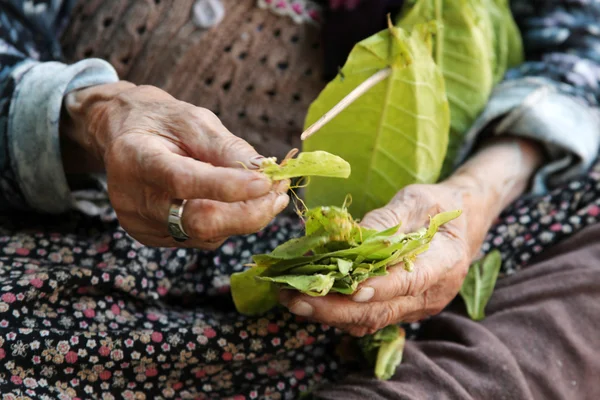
pixel 175 221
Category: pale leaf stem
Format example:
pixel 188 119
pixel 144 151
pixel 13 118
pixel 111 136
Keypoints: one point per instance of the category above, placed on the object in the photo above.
pixel 346 101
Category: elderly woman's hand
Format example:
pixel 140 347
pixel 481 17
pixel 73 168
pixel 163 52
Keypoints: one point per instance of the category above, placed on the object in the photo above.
pixel 401 295
pixel 155 149
pixel 482 188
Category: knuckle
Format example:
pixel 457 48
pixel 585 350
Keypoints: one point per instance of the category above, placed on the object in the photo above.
pixel 340 316
pixel 148 210
pixel 118 152
pixel 430 305
pixel 258 217
pixel 203 114
pixel 399 282
pixel 411 196
pixel 211 245
pixel 205 225
pixel 419 282
pixel 358 331
pixel 150 91
pixel 178 181
pixel 231 144
pixel 378 316
pixel 383 217
pixel 388 315
pixel 205 120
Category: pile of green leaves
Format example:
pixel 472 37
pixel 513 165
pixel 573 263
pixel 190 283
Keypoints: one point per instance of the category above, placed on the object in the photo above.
pixel 335 255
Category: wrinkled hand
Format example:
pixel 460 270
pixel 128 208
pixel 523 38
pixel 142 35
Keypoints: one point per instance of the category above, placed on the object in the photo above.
pixel 404 296
pixel 156 149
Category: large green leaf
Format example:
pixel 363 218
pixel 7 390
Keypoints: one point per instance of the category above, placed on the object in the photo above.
pixel 479 284
pixel 508 45
pixel 463 49
pixel 516 53
pixel 395 134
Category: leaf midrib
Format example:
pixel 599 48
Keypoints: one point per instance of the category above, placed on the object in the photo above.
pixel 389 84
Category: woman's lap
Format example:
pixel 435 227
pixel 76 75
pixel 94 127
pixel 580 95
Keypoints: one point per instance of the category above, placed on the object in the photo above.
pixel 83 307
pixel 540 339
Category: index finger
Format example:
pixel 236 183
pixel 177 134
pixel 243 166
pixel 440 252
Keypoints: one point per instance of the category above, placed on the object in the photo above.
pixel 186 178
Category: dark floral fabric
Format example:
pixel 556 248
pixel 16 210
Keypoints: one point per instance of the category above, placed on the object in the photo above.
pixel 86 312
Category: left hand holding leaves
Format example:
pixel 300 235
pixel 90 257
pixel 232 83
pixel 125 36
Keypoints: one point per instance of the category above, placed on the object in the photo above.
pixel 403 296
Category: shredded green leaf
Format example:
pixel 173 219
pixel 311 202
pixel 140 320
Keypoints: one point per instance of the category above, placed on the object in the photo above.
pixel 333 257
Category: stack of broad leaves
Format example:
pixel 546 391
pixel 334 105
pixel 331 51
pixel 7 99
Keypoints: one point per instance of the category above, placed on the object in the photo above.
pixel 393 135
pixel 476 41
pixel 335 255
pixel 445 57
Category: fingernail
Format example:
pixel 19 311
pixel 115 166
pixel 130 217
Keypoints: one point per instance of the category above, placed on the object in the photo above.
pixel 259 187
pixel 364 294
pixel 302 309
pixel 280 203
pixel 257 161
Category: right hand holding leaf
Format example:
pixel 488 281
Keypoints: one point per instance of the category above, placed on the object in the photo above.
pixel 156 149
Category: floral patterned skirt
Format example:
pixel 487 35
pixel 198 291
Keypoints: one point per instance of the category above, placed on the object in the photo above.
pixel 86 312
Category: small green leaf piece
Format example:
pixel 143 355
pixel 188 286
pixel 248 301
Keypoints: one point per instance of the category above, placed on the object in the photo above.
pixel 316 163
pixel 383 350
pixel 479 284
pixel 312 285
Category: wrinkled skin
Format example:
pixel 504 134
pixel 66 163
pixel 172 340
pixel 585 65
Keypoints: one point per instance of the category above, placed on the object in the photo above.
pixel 155 148
pixel 486 184
pixel 401 295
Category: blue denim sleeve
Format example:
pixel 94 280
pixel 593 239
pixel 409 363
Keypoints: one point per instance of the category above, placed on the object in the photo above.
pixel 553 97
pixel 33 82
